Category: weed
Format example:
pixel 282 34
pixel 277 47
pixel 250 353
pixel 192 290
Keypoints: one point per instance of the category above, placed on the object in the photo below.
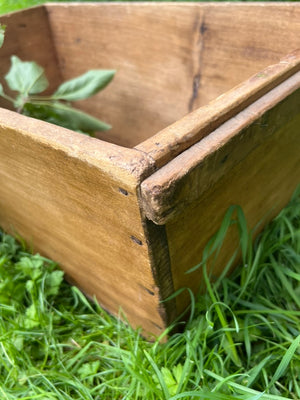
pixel 28 79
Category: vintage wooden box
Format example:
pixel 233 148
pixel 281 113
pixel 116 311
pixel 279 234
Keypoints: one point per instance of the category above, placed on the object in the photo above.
pixel 204 115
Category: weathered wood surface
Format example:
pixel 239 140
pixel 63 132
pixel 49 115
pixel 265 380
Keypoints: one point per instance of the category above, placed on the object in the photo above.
pixel 150 47
pixel 182 181
pixel 257 169
pixel 167 144
pixel 170 58
pixel 74 198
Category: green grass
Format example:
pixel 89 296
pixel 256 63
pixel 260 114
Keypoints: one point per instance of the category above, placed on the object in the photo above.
pixel 241 341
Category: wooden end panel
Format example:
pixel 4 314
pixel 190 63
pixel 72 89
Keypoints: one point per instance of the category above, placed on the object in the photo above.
pixel 261 184
pixel 74 199
pixel 242 39
pixel 173 140
pixel 252 161
pixel 151 46
pixel 28 36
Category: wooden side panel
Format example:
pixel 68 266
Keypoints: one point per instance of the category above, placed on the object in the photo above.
pixel 170 58
pixel 168 191
pixel 261 191
pixel 242 39
pixel 173 140
pixel 74 199
pixel 152 48
pixel 28 36
pixel 255 165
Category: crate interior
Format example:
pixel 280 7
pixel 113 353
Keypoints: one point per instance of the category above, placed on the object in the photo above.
pixel 170 58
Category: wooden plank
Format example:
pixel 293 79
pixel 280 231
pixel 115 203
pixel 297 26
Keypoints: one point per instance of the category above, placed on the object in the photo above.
pixel 242 39
pixel 176 138
pixel 145 95
pixel 261 181
pixel 28 36
pixel 152 86
pixel 183 180
pixel 74 198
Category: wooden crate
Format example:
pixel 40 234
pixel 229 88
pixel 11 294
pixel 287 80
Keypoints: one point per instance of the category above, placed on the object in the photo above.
pixel 200 121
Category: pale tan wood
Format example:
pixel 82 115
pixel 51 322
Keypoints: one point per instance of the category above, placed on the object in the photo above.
pixel 28 36
pixel 242 39
pixel 167 47
pixel 74 199
pixel 261 181
pixel 150 46
pixel 170 57
pixel 174 139
pixel 180 183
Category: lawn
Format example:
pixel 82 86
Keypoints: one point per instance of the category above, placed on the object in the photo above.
pixel 241 338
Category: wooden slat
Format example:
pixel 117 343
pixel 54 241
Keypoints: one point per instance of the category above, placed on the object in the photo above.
pixel 74 199
pixel 183 180
pixel 176 138
pixel 258 169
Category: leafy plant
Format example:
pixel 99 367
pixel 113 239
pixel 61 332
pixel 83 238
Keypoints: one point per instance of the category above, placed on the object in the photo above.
pixel 28 79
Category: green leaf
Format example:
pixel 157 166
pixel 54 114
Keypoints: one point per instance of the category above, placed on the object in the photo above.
pixel 286 359
pixel 89 369
pixel 32 318
pixel 177 372
pixel 26 77
pixel 31 266
pixel 1 90
pixel 66 116
pixel 84 86
pixel 53 282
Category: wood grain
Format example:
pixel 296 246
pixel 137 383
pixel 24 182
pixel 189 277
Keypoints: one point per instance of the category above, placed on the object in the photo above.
pixel 167 144
pixel 242 39
pixel 180 183
pixel 149 45
pixel 261 182
pixel 170 59
pixel 74 199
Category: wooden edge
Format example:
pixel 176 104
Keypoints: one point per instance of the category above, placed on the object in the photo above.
pixel 158 249
pixel 176 138
pixel 215 154
pixel 122 164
